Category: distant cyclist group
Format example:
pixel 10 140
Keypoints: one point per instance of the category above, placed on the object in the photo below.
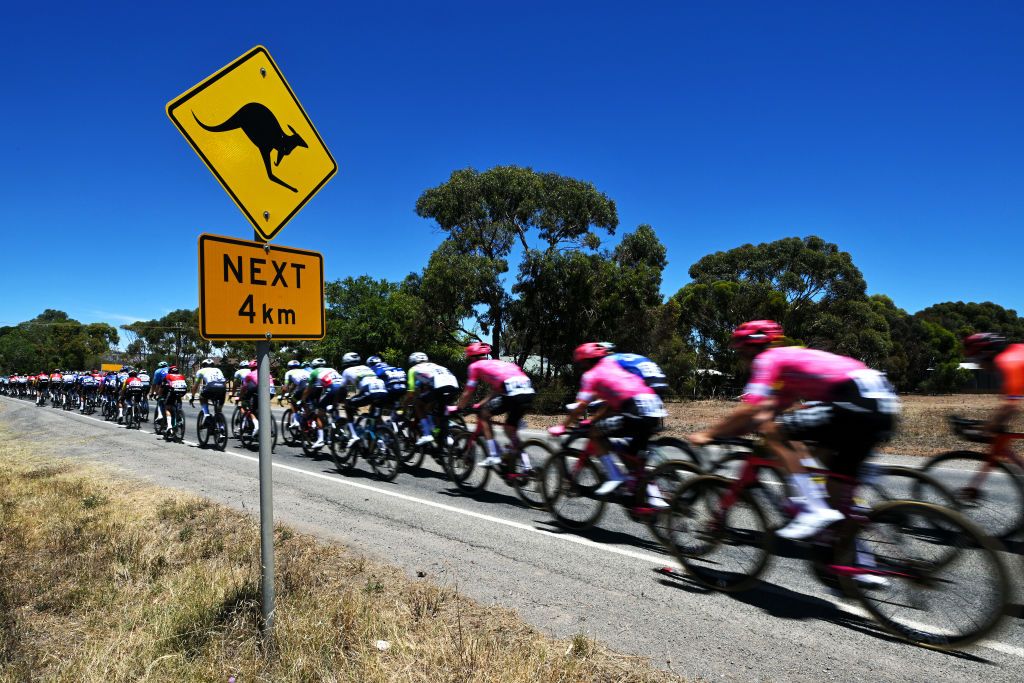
pixel 818 416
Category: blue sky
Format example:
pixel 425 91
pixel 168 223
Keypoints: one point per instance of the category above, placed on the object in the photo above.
pixel 893 129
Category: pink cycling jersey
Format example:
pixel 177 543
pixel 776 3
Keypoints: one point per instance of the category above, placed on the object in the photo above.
pixel 792 373
pixel 494 372
pixel 608 382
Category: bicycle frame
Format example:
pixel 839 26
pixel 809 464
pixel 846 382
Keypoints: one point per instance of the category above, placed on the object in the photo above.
pixel 1000 449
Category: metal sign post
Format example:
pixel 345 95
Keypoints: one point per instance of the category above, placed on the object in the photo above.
pixel 266 480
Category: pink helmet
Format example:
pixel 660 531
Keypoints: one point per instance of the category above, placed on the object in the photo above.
pixel 478 349
pixel 254 365
pixel 589 351
pixel 756 334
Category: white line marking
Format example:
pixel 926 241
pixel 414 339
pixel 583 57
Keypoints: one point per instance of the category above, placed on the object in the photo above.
pixel 1005 648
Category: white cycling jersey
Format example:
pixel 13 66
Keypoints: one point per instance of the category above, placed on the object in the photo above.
pixel 241 374
pixel 363 379
pixel 296 376
pixel 431 376
pixel 207 376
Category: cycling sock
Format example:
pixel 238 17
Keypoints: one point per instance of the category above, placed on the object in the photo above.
pixel 612 467
pixel 255 425
pixel 810 490
pixel 320 434
pixel 492 448
pixel 352 430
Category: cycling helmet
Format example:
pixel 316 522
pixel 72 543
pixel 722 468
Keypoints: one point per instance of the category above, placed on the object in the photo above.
pixel 374 360
pixel 984 345
pixel 206 362
pixel 294 364
pixel 318 363
pixel 253 365
pixel 589 351
pixel 162 364
pixel 173 368
pixel 133 373
pixel 417 357
pixel 608 345
pixel 756 334
pixel 349 359
pixel 478 349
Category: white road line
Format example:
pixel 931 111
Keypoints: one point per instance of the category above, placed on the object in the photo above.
pixel 1005 648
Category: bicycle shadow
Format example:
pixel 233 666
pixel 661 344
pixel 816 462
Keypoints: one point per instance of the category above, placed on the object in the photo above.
pixel 783 603
pixel 606 536
pixel 485 496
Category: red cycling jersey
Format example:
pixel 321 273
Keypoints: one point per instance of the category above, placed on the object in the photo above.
pixel 1010 364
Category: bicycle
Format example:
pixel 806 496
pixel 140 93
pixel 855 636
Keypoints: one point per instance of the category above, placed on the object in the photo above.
pixel 572 476
pixel 898 556
pixel 375 443
pixel 176 430
pixel 132 418
pixel 993 494
pixel 212 425
pixel 469 449
pixel 246 429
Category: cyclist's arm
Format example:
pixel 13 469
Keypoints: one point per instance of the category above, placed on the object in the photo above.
pixel 741 420
pixel 575 414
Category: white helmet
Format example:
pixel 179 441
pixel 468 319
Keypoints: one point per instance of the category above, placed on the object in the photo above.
pixel 417 357
pixel 207 362
pixel 318 362
pixel 349 359
pixel 294 363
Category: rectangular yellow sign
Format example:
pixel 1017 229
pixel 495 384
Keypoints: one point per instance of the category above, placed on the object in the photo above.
pixel 110 367
pixel 248 289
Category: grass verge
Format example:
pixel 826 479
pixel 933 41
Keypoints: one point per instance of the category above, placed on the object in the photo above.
pixel 103 579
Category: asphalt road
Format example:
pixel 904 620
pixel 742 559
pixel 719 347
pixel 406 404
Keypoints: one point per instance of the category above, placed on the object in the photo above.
pixel 603 583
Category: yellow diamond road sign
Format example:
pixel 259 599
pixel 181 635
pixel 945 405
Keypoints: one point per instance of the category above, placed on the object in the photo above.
pixel 248 127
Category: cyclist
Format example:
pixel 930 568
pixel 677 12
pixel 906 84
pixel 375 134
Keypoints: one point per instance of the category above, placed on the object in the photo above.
pixel 295 380
pixel 509 391
pixel 209 385
pixel 994 354
pixel 641 366
pixel 56 382
pixel 324 390
pixel 369 389
pixel 172 389
pixel 238 379
pixel 431 387
pixel 395 380
pixel 87 383
pixel 249 394
pixel 42 384
pixel 853 409
pixel 131 389
pixel 629 408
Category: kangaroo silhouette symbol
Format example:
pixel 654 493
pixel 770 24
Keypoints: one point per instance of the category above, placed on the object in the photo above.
pixel 262 128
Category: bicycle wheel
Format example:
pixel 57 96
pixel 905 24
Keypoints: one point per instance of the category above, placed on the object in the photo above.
pixel 236 421
pixel 888 482
pixel 667 478
pixel 245 434
pixel 204 428
pixel 726 550
pixel 462 463
pixel 534 455
pixel 220 431
pixel 568 482
pixel 672 448
pixel 771 491
pixel 385 459
pixel 997 505
pixel 273 434
pixel 179 424
pixel 289 436
pixel 927 594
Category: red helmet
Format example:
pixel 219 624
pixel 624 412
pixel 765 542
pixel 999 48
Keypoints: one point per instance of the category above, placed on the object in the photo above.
pixel 478 349
pixel 756 334
pixel 589 351
pixel 984 345
pixel 254 365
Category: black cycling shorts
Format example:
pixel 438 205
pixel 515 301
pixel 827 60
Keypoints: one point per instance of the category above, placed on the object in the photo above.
pixel 849 425
pixel 516 407
pixel 440 395
pixel 213 392
pixel 631 424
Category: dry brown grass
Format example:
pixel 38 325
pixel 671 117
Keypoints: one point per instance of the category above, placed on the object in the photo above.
pixel 923 429
pixel 103 579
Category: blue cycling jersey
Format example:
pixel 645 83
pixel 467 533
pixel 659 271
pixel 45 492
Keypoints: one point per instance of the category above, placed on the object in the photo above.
pixel 159 375
pixel 642 367
pixel 394 378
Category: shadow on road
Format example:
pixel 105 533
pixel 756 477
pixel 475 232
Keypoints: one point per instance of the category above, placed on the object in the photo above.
pixel 599 535
pixel 783 603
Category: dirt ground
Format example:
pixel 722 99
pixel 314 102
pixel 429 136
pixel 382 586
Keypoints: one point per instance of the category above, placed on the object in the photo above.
pixel 923 429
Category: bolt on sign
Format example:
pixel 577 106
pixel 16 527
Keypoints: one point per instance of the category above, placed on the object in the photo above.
pixel 250 290
pixel 248 127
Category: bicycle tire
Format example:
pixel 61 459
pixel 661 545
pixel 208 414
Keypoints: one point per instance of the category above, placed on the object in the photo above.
pixel 236 421
pixel 203 428
pixel 999 514
pixel 530 487
pixel 986 574
pixel 463 462
pixel 696 535
pixel 287 435
pixel 561 487
pixel 668 477
pixel 178 416
pixel 771 489
pixel 387 463
pixel 245 428
pixel 678 449
pixel 221 433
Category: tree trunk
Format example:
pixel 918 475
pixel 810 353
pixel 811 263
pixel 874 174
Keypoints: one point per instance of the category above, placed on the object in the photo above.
pixel 496 329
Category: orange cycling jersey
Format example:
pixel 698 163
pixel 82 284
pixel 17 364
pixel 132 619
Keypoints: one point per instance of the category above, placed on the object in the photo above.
pixel 1011 367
